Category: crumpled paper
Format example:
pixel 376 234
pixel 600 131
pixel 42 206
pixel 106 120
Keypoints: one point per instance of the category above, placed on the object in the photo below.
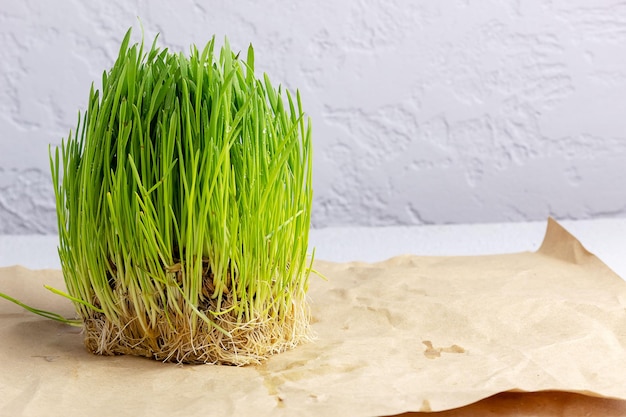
pixel 408 334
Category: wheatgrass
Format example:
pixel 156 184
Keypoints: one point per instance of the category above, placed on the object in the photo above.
pixel 184 204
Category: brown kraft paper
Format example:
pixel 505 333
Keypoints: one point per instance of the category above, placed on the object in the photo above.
pixel 529 332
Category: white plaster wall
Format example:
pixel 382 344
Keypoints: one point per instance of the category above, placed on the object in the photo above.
pixel 437 111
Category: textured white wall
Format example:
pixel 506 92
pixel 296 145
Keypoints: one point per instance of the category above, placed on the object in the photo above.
pixel 424 111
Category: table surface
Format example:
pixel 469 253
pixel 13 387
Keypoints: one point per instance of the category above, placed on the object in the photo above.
pixel 606 238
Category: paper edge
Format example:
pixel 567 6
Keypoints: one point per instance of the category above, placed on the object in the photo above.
pixel 559 243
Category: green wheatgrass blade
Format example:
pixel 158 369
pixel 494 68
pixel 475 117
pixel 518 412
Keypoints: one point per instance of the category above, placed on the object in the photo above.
pixel 42 313
pixel 183 204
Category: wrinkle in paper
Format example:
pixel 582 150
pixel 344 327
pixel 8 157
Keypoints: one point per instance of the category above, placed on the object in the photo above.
pixel 408 334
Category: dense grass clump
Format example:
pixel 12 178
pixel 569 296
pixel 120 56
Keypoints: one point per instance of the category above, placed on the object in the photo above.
pixel 184 202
